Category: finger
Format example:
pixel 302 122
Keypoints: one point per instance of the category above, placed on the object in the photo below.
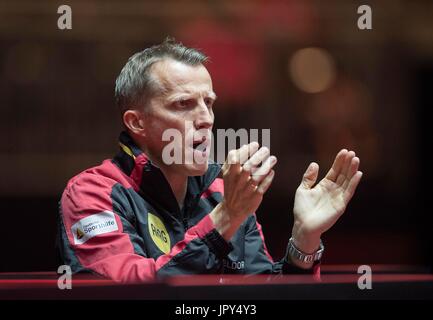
pixel 354 165
pixel 353 184
pixel 336 166
pixel 257 158
pixel 263 171
pixel 310 176
pixel 247 150
pixel 265 184
pixel 231 162
pixel 236 157
pixel 345 169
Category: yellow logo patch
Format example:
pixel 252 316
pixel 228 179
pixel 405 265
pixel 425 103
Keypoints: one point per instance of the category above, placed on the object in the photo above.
pixel 159 233
pixel 80 234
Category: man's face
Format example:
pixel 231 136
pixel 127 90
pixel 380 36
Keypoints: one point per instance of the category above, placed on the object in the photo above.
pixel 184 103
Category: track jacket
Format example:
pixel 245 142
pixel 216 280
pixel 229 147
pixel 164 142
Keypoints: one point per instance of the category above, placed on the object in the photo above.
pixel 121 220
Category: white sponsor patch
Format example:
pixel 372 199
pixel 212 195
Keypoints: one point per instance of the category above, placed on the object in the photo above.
pixel 93 225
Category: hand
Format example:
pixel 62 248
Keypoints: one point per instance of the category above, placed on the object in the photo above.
pixel 245 183
pixel 318 207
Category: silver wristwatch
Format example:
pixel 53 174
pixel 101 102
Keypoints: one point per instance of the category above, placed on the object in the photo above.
pixel 297 254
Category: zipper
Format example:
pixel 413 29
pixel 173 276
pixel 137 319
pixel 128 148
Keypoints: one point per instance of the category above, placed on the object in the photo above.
pixel 185 224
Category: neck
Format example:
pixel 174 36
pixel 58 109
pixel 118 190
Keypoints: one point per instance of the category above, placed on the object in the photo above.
pixel 177 182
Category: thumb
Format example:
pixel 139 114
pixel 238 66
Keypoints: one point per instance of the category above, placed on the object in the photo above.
pixel 310 176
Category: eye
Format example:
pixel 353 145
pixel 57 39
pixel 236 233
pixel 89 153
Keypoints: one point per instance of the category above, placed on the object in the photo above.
pixel 208 102
pixel 183 103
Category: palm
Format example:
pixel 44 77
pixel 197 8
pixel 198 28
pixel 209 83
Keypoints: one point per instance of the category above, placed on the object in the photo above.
pixel 318 208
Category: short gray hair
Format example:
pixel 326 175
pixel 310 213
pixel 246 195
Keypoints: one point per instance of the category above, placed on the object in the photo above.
pixel 134 85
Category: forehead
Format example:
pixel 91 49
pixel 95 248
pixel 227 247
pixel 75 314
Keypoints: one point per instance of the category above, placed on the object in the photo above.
pixel 177 77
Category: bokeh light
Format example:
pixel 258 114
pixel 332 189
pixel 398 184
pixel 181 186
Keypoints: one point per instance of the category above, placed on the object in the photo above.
pixel 312 69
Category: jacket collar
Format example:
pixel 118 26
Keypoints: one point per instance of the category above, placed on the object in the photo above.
pixel 150 180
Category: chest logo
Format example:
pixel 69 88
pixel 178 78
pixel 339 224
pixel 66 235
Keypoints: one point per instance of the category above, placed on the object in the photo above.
pixel 159 233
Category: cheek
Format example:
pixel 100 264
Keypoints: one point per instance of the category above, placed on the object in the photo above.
pixel 159 124
pixel 170 129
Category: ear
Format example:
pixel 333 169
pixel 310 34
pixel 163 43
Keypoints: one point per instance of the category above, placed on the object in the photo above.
pixel 134 121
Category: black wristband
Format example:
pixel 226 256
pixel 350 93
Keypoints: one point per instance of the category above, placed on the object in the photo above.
pixel 217 244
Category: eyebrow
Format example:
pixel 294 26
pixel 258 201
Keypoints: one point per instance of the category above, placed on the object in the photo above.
pixel 176 96
pixel 213 95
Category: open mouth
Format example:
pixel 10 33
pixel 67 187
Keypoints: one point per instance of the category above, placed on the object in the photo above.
pixel 200 145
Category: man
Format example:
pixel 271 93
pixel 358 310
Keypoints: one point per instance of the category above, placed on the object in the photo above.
pixel 136 217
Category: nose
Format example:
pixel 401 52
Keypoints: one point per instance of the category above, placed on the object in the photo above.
pixel 205 117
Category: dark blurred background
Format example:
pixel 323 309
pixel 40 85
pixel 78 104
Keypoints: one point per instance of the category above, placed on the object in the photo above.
pixel 301 68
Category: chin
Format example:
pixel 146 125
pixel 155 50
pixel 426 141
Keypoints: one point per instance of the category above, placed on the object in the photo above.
pixel 196 169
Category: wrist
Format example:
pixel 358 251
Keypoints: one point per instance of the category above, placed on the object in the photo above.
pixel 302 259
pixel 305 240
pixel 225 222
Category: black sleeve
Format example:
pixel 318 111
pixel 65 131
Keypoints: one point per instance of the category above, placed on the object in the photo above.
pixel 258 259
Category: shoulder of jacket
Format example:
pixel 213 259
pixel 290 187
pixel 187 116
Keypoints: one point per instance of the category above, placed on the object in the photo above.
pixel 92 178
